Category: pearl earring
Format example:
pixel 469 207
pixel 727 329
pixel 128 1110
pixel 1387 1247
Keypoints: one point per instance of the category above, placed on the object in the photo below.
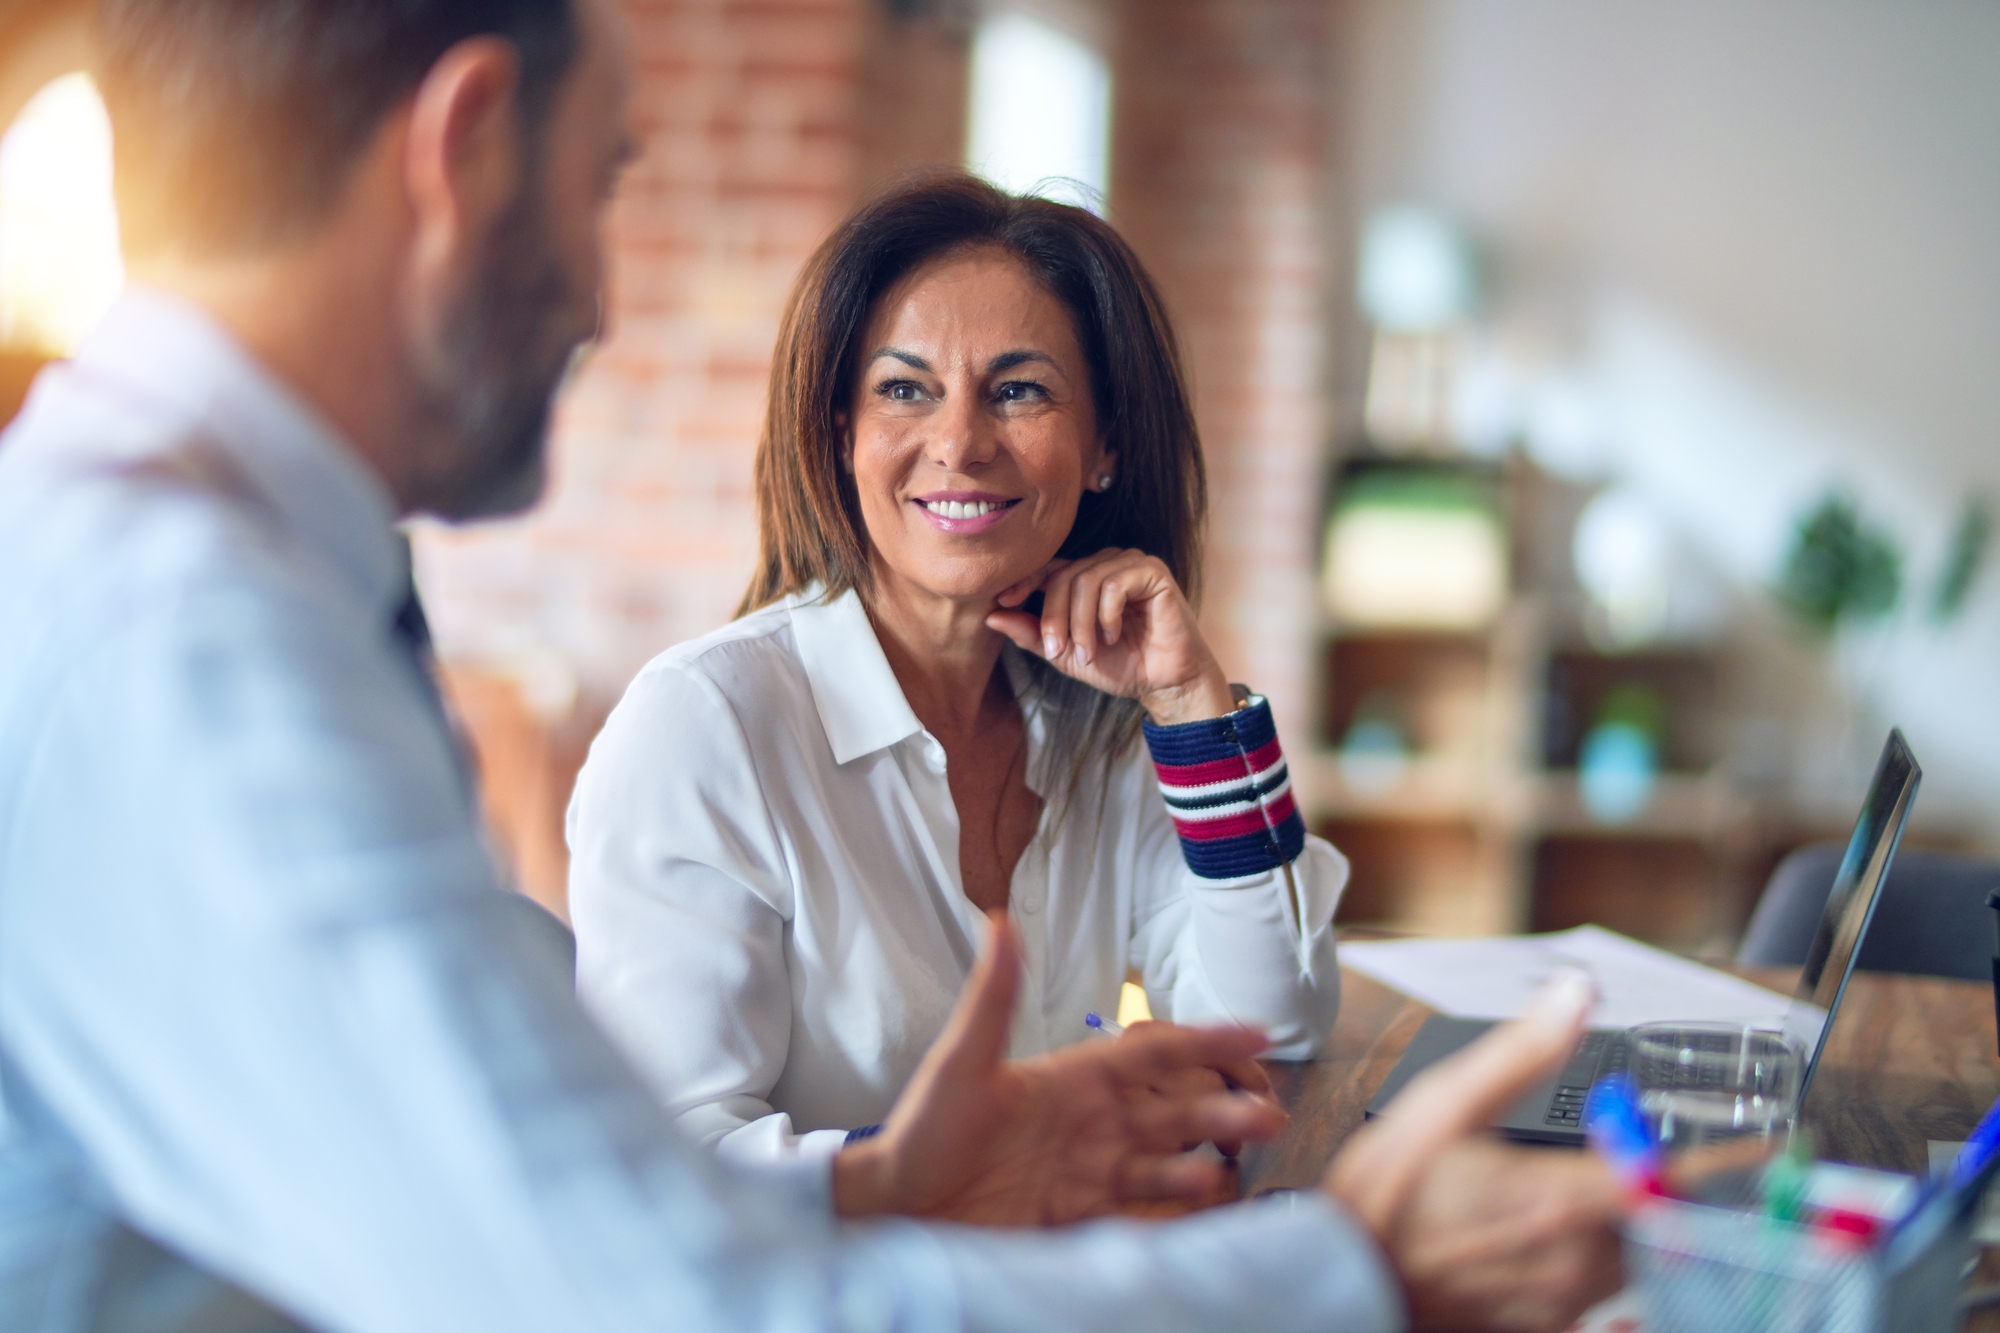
pixel 1104 481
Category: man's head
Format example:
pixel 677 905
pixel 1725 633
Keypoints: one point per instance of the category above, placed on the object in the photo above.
pixel 397 203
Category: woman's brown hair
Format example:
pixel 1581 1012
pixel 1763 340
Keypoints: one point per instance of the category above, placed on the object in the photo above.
pixel 809 526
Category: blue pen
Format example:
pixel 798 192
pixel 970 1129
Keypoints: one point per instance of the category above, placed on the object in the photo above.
pixel 1617 1129
pixel 1943 1202
pixel 1104 1025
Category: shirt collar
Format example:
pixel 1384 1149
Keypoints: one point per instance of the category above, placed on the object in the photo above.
pixel 860 702
pixel 169 356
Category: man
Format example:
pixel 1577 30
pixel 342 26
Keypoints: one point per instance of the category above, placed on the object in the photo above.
pixel 260 996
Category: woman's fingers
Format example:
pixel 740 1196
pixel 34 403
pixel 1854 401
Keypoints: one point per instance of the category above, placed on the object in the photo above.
pixel 1061 631
pixel 1055 614
pixel 1075 605
pixel 1111 600
pixel 1021 629
pixel 1032 584
pixel 1083 584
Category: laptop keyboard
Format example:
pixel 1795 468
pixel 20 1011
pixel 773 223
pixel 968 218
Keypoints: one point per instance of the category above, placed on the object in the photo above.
pixel 1602 1054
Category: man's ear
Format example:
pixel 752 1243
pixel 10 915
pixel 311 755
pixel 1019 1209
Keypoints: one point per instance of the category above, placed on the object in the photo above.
pixel 463 158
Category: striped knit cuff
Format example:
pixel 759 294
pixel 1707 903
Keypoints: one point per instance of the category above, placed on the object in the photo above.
pixel 1229 792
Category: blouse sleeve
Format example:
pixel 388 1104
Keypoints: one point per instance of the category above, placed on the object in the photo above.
pixel 680 897
pixel 1233 909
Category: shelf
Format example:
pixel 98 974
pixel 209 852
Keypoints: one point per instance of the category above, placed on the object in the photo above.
pixel 1704 807
pixel 1432 787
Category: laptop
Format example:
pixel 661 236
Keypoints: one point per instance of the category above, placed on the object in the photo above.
pixel 1553 1111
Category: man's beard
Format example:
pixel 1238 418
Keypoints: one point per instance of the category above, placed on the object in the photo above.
pixel 501 356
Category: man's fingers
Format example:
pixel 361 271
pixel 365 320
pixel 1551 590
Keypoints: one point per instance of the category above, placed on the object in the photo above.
pixel 1164 1123
pixel 1153 1177
pixel 1151 1052
pixel 977 1032
pixel 1470 1089
pixel 1457 1097
pixel 1248 1074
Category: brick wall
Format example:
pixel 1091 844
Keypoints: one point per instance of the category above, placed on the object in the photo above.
pixel 1219 179
pixel 749 108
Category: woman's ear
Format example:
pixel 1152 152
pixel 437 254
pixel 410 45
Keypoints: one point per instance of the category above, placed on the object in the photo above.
pixel 1105 474
pixel 843 424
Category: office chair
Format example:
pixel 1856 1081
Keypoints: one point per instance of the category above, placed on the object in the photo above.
pixel 1932 919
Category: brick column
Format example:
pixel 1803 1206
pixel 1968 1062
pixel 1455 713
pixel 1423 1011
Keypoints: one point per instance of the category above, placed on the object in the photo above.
pixel 647 537
pixel 1219 179
pixel 764 120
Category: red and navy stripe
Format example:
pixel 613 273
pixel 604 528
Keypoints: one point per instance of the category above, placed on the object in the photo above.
pixel 1229 792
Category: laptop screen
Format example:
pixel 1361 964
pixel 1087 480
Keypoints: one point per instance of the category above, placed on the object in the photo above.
pixel 1850 905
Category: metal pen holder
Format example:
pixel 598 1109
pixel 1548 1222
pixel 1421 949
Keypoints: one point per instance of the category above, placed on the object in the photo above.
pixel 1703 1269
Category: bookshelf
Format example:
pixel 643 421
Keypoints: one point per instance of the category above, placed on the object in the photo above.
pixel 1481 820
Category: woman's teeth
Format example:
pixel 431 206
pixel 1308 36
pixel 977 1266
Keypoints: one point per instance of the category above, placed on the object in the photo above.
pixel 953 509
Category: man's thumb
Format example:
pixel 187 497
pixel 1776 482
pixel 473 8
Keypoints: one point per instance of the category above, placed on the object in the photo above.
pixel 983 1018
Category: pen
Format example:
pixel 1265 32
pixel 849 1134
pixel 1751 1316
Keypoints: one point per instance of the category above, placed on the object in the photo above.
pixel 1946 1200
pixel 1104 1025
pixel 1617 1129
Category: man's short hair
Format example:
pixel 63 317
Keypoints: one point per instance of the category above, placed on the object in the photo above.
pixel 237 122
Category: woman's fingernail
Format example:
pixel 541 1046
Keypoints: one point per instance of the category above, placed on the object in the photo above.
pixel 1051 646
pixel 1564 997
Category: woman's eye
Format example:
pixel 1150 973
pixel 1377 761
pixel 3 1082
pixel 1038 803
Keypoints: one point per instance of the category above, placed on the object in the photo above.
pixel 1022 391
pixel 900 391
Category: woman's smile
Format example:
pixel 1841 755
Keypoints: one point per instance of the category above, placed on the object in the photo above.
pixel 963 513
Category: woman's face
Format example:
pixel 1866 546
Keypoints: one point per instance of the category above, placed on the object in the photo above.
pixel 972 430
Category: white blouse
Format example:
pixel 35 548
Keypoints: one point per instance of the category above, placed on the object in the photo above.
pixel 765 887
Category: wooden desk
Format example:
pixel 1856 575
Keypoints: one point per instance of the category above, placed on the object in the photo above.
pixel 1910 1059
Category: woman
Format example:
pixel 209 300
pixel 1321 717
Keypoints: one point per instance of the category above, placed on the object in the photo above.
pixel 786 833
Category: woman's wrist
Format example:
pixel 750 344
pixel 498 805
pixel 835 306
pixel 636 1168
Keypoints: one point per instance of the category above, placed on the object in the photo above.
pixel 1199 700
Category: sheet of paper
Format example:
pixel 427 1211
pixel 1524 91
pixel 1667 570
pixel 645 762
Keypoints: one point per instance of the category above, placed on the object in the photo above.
pixel 1493 978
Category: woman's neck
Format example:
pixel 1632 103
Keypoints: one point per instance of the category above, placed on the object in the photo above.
pixel 941 651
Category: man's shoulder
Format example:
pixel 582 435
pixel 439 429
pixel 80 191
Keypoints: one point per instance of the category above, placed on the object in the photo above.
pixel 108 540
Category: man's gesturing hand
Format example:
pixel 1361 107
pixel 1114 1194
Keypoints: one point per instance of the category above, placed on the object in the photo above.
pixel 1482 1235
pixel 1076 1134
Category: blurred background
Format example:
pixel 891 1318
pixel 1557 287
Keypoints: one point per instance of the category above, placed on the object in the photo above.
pixel 1602 401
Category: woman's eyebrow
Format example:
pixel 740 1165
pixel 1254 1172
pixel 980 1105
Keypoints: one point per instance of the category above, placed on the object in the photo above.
pixel 1008 360
pixel 910 359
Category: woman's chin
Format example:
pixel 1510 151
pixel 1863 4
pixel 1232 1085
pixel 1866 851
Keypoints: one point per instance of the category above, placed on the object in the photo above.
pixel 970 583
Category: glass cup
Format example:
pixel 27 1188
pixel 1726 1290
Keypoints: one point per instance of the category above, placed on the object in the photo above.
pixel 1704 1085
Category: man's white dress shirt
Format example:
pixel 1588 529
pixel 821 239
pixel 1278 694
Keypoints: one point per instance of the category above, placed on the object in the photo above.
pixel 262 998
pixel 770 919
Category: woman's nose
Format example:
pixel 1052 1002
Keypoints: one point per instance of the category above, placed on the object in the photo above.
pixel 965 439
